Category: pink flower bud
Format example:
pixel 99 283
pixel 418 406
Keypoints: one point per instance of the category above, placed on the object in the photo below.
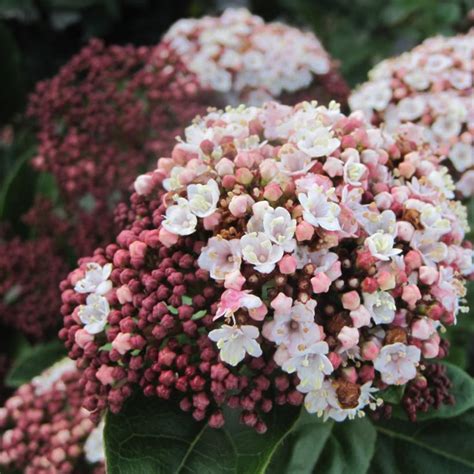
pixel 422 329
pixel 349 374
pixel 228 181
pixel 122 343
pixel 405 231
pixel 411 294
pixel 272 192
pixel 224 167
pixel 351 300
pixel 333 167
pixel 428 275
pixel 335 359
pixel 82 337
pixel 210 222
pixel 234 280
pixel 304 231
pixel 244 159
pixel 104 375
pixel 413 260
pixel 137 249
pixel 168 239
pixel 165 164
pixel 366 373
pixel 430 348
pixel 143 184
pixel 386 280
pixel 407 169
pixel 360 317
pixel 244 176
pixel 258 313
pixel 268 169
pixel 321 283
pixel 76 275
pixel 124 295
pixel 239 205
pixel 348 337
pixel 370 349
pixel 287 265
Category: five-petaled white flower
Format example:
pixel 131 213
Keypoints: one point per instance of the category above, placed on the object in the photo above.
pixel 397 363
pixel 179 218
pixel 318 210
pixel 381 306
pixel 381 247
pixel 96 279
pixel 94 313
pixel 236 341
pixel 311 364
pixel 316 142
pixel 280 227
pixel 220 257
pixel 203 198
pixel 260 251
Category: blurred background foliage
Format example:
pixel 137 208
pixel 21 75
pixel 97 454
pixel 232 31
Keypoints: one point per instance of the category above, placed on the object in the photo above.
pixel 38 36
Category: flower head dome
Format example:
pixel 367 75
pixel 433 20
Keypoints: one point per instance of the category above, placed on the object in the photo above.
pixel 279 255
pixel 43 427
pixel 432 85
pixel 246 60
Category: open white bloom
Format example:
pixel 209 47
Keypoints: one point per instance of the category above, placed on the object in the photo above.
pixel 179 218
pixel 381 247
pixel 220 257
pixel 280 227
pixel 94 446
pixel 318 210
pixel 311 364
pixel 43 382
pixel 172 183
pixel 397 363
pixel 354 172
pixel 203 198
pixel 411 108
pixel 337 413
pixel 293 161
pixel 260 251
pixel 381 306
pixel 432 219
pixel 431 249
pixel 96 279
pixel 236 341
pixel 259 209
pixel 94 313
pixel 373 222
pixel 316 142
pixel 462 156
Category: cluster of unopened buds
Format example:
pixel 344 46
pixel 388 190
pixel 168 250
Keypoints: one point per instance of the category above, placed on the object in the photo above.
pixel 44 429
pixel 280 255
pixel 432 86
pixel 246 60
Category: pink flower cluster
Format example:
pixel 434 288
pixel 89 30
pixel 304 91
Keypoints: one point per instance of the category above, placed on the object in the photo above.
pixel 247 61
pixel 44 429
pixel 98 121
pixel 432 86
pixel 280 255
pixel 29 295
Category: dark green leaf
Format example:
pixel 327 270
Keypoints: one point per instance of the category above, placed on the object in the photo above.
pixel 151 435
pixel 33 361
pixel 434 446
pixel 350 448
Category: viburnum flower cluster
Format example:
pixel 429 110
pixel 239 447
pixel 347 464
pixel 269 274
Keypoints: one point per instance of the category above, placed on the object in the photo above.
pixel 248 61
pixel 29 294
pixel 280 255
pixel 97 125
pixel 44 429
pixel 432 85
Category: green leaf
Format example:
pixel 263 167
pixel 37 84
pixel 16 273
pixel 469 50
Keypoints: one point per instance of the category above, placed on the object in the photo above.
pixel 33 361
pixel 199 315
pixel 151 435
pixel 187 300
pixel 393 394
pixel 350 448
pixel 433 446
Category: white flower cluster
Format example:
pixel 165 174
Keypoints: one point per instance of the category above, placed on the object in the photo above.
pixel 96 284
pixel 53 374
pixel 432 85
pixel 238 54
